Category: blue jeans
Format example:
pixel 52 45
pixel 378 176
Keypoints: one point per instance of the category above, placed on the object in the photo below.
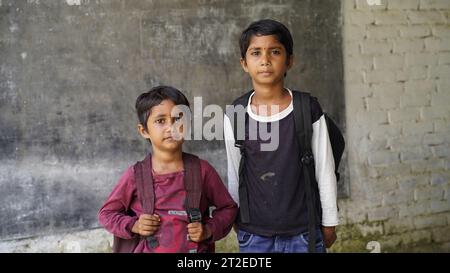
pixel 252 243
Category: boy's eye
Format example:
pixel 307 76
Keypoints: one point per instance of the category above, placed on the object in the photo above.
pixel 254 53
pixel 276 52
pixel 160 121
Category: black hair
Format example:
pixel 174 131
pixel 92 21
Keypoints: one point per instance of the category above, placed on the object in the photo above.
pixel 146 101
pixel 264 28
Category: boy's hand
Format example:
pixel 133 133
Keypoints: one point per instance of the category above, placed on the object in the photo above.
pixel 147 225
pixel 198 232
pixel 329 236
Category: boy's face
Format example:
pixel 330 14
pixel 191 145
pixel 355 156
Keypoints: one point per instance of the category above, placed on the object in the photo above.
pixel 163 129
pixel 266 60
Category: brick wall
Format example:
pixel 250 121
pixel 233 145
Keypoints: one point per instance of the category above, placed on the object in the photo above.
pixel 397 81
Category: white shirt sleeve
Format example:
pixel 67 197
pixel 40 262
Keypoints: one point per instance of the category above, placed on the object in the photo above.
pixel 325 176
pixel 233 159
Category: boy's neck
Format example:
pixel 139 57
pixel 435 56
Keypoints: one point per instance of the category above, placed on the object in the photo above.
pixel 269 94
pixel 167 161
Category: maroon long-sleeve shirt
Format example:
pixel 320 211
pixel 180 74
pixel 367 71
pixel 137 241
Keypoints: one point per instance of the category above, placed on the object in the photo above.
pixel 169 197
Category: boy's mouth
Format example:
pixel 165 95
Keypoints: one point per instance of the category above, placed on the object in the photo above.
pixel 170 138
pixel 265 73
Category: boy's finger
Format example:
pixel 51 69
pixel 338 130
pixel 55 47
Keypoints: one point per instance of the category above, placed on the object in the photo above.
pixel 150 224
pixel 194 225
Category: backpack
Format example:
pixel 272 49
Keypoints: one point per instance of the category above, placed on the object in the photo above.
pixel 145 192
pixel 303 128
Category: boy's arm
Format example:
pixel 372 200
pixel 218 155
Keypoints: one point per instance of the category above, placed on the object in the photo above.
pixel 217 195
pixel 325 176
pixel 112 214
pixel 233 159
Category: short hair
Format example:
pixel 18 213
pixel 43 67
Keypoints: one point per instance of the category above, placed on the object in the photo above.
pixel 266 27
pixel 146 101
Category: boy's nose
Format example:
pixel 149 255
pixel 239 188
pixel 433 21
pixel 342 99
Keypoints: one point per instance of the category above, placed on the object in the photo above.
pixel 265 60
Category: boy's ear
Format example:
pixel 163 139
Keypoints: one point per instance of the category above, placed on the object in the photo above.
pixel 290 62
pixel 142 131
pixel 244 65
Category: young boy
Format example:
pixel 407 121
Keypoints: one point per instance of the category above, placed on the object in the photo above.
pixel 168 229
pixel 270 190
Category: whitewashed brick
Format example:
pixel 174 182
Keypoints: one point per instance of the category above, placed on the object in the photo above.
pixel 442 126
pixel 434 4
pixel 381 32
pixel 440 99
pixel 378 187
pixel 381 213
pixel 383 103
pixel 418 154
pixel 421 222
pixel 408 45
pixel 428 165
pixel 354 77
pixel 384 131
pixel 431 113
pixel 355 32
pixel 388 89
pixel 392 17
pixel 426 17
pixel 414 99
pixel 427 193
pixel 361 18
pixel 376 47
pixel 371 119
pixel 395 170
pixel 417 128
pixel 420 87
pixel 437 44
pixel 380 76
pixel 439 206
pixel 441 31
pixel 359 63
pixel 401 115
pixel 420 59
pixel 444 58
pixel 413 182
pixel 398 225
pixel 440 72
pixel 412 73
pixel 383 158
pixel 443 86
pixel 441 178
pixel 403 4
pixel 399 197
pixel 389 62
pixel 441 234
pixel 441 150
pixel 435 138
pixel 413 209
pixel 422 236
pixel 396 143
pixel 414 31
pixel 352 48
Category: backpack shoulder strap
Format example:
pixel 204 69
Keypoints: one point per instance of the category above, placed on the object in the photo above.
pixel 144 184
pixel 242 101
pixel 192 180
pixel 244 212
pixel 303 128
pixel 302 119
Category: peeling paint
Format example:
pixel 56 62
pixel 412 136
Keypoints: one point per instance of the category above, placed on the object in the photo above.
pixel 73 2
pixel 23 55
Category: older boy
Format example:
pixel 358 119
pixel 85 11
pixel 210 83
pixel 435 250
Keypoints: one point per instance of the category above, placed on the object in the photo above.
pixel 270 189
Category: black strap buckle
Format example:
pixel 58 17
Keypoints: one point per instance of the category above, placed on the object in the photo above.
pixel 307 158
